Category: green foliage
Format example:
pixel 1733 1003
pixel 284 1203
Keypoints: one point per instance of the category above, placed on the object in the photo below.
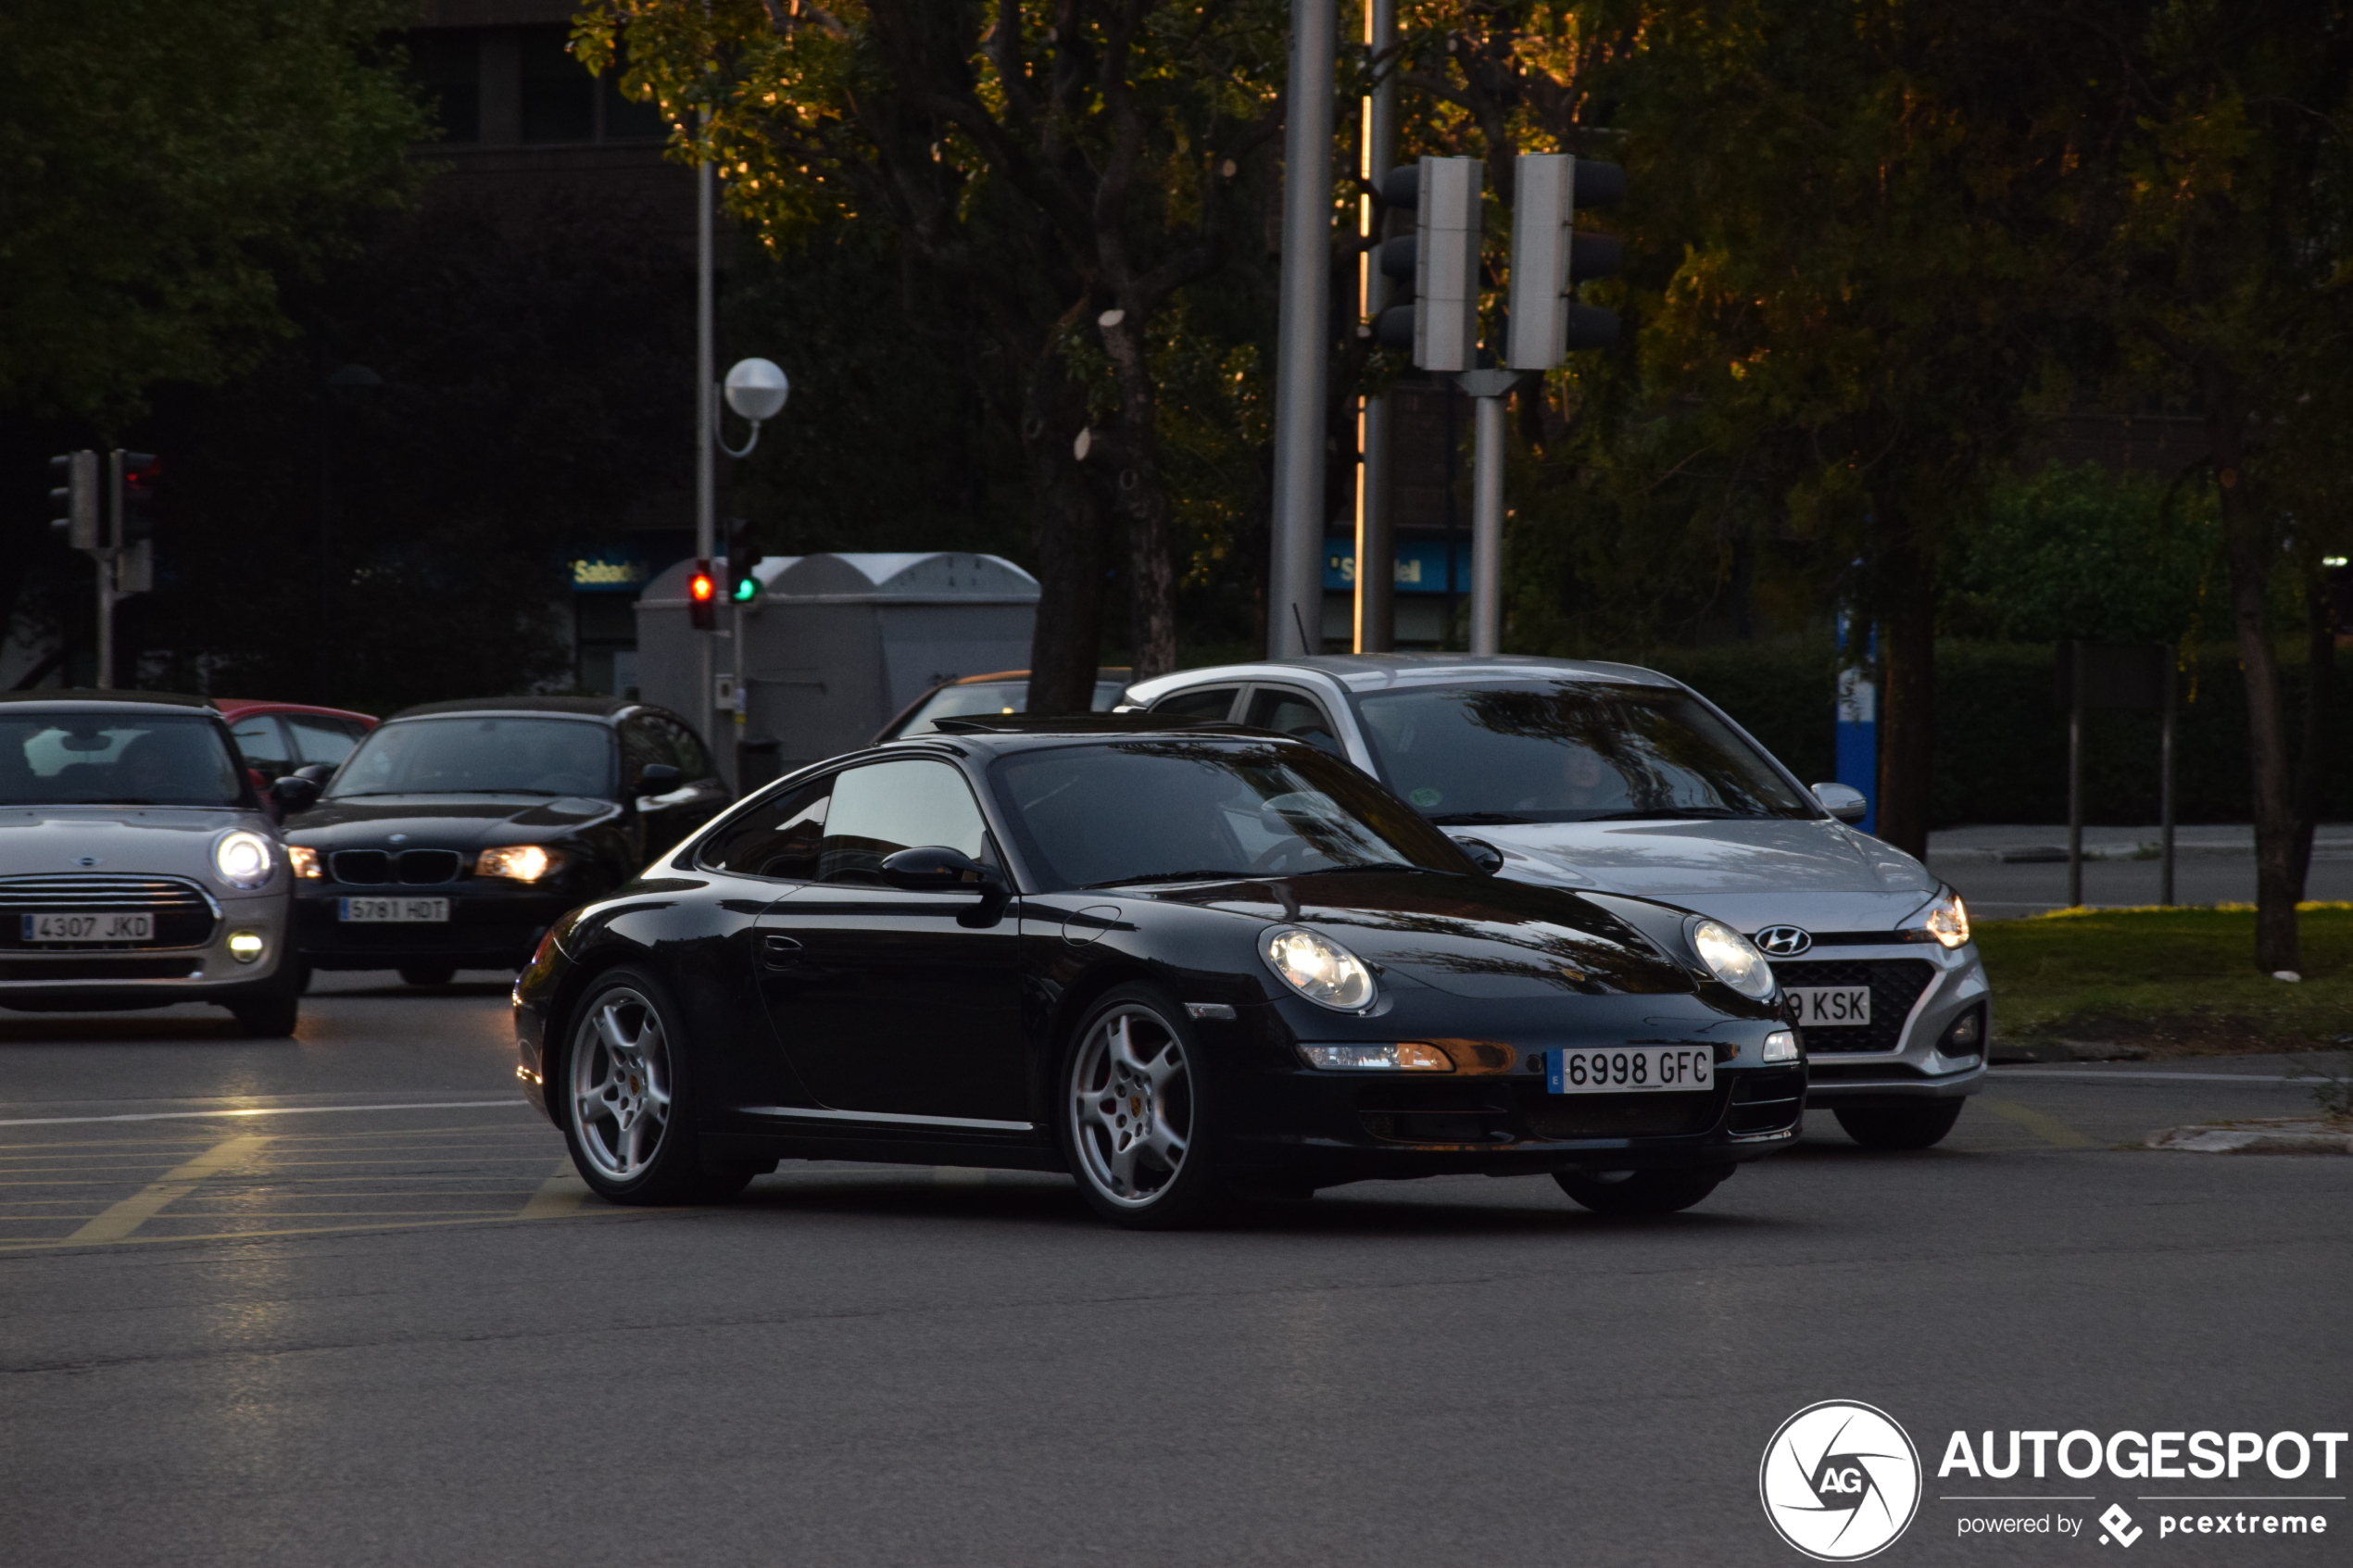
pixel 163 167
pixel 2087 553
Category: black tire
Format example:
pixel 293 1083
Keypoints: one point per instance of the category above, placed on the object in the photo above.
pixel 272 1014
pixel 1641 1192
pixel 428 973
pixel 1120 1107
pixel 624 1096
pixel 1904 1126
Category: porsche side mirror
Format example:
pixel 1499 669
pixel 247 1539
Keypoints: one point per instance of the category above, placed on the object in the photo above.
pixel 934 868
pixel 1483 855
pixel 656 777
pixel 295 793
pixel 1842 801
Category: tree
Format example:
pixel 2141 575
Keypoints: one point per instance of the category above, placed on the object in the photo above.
pixel 1055 173
pixel 163 167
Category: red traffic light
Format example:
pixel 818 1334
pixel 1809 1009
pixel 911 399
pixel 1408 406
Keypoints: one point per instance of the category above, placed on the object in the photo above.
pixel 702 588
pixel 702 598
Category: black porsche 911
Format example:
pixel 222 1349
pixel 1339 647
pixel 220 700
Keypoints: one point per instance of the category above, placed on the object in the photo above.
pixel 1179 961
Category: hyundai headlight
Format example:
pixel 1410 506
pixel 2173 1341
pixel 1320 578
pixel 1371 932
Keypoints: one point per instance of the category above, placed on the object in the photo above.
pixel 243 859
pixel 1318 969
pixel 1732 958
pixel 1945 919
pixel 519 862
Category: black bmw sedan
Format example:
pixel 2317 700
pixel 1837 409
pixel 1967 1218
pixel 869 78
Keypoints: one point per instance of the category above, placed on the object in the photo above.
pixel 1178 961
pixel 457 832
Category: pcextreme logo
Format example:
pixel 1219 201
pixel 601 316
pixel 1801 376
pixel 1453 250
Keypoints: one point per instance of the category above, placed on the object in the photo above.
pixel 1840 1481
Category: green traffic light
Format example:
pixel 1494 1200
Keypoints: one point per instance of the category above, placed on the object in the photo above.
pixel 747 589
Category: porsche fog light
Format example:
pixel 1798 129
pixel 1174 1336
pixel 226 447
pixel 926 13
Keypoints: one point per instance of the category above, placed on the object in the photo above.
pixel 247 947
pixel 518 863
pixel 1945 919
pixel 1408 1055
pixel 305 860
pixel 1318 969
pixel 1781 1046
pixel 241 858
pixel 1732 958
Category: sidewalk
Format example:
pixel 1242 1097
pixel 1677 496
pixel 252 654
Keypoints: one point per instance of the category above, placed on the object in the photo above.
pixel 2005 845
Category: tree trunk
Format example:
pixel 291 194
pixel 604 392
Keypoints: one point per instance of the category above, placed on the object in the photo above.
pixel 2319 701
pixel 1066 644
pixel 2249 548
pixel 1907 695
pixel 1131 462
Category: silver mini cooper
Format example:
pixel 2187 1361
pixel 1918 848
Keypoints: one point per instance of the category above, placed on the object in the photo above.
pixel 1606 776
pixel 139 864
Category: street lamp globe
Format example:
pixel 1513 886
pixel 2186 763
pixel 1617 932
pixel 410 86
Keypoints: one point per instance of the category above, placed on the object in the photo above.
pixel 757 389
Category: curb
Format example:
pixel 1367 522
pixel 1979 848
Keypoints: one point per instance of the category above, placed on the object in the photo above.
pixel 2254 1137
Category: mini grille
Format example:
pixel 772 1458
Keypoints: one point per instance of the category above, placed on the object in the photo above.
pixel 183 911
pixel 125 967
pixel 1895 985
pixel 362 867
pixel 418 866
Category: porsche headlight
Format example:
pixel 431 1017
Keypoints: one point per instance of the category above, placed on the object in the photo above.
pixel 1732 958
pixel 1945 919
pixel 1318 969
pixel 304 859
pixel 243 859
pixel 519 862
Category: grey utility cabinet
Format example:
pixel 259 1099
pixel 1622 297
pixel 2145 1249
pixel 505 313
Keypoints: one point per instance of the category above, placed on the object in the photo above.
pixel 837 644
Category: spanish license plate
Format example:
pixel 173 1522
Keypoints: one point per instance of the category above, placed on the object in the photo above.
pixel 107 925
pixel 1624 1069
pixel 1828 1007
pixel 395 912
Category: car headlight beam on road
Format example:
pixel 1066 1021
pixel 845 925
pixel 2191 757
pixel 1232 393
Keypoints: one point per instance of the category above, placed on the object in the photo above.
pixel 1317 968
pixel 1732 958
pixel 243 859
pixel 519 862
pixel 1945 918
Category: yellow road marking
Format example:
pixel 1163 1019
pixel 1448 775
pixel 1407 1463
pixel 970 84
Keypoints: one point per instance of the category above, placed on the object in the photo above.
pixel 560 1195
pixel 127 1216
pixel 2050 1129
pixel 503 1218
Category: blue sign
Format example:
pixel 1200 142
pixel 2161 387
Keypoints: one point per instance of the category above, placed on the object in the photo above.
pixel 1421 567
pixel 613 570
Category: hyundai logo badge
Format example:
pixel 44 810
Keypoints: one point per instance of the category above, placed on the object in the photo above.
pixel 1783 941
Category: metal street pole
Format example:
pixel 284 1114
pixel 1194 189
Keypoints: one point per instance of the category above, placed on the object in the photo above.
pixel 1295 582
pixel 109 544
pixel 1376 618
pixel 706 434
pixel 1488 389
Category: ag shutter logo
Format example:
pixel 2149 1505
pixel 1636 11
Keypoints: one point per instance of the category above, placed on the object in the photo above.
pixel 2120 1524
pixel 1840 1481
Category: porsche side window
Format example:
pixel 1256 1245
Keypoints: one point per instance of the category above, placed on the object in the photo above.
pixel 778 838
pixel 1289 713
pixel 886 806
pixel 1214 702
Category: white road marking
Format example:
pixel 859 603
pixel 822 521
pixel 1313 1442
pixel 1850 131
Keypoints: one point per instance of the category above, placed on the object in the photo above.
pixel 264 1110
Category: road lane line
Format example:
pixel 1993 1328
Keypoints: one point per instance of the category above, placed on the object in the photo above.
pixel 138 1209
pixel 560 1195
pixel 2050 1129
pixel 265 1110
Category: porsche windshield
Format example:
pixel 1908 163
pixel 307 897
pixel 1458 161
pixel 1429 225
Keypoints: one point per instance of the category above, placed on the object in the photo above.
pixel 1567 751
pixel 1155 809
pixel 480 755
pixel 115 760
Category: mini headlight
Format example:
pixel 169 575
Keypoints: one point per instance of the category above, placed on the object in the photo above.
pixel 1319 970
pixel 1406 1055
pixel 241 858
pixel 304 858
pixel 1732 958
pixel 1780 1045
pixel 247 947
pixel 518 863
pixel 1945 919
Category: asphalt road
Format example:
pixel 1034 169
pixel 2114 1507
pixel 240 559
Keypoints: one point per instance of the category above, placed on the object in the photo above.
pixel 343 1333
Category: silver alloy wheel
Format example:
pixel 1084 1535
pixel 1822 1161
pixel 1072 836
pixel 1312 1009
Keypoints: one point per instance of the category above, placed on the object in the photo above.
pixel 1131 1106
pixel 620 1084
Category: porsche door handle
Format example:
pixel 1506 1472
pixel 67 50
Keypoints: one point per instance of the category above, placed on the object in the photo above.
pixel 778 951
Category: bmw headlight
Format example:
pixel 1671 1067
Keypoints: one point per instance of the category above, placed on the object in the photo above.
pixel 305 860
pixel 1945 919
pixel 1318 969
pixel 519 862
pixel 1732 958
pixel 243 859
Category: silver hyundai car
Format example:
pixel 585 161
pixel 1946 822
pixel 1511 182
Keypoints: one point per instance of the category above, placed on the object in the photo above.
pixel 1592 776
pixel 139 866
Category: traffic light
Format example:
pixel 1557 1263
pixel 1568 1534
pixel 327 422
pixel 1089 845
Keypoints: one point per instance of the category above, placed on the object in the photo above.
pixel 702 598
pixel 76 498
pixel 135 501
pixel 742 586
pixel 1440 323
pixel 1549 259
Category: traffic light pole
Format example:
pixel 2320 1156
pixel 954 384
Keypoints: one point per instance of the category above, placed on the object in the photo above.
pixel 706 438
pixel 1488 389
pixel 1376 617
pixel 1295 582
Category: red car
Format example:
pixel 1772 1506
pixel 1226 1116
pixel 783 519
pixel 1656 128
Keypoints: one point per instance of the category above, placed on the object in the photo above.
pixel 278 738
